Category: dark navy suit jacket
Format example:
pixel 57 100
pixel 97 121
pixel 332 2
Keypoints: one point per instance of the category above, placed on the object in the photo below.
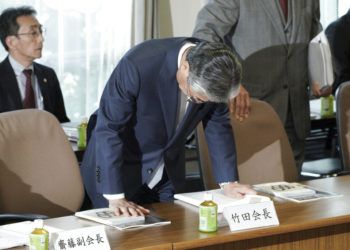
pixel 338 34
pixel 10 97
pixel 136 126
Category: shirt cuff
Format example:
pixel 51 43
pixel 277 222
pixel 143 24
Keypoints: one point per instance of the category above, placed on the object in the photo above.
pixel 114 196
pixel 222 184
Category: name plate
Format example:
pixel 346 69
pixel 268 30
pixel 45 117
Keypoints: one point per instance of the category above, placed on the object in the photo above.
pixel 248 216
pixel 87 238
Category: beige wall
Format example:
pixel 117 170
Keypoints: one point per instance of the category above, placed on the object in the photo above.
pixel 183 14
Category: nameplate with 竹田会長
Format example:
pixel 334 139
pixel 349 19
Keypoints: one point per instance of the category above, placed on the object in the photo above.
pixel 251 215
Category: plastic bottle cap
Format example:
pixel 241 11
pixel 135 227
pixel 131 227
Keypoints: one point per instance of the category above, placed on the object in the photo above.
pixel 208 196
pixel 38 223
pixel 84 120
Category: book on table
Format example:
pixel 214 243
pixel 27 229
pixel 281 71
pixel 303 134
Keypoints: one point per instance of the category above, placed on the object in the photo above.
pixel 107 216
pixel 294 191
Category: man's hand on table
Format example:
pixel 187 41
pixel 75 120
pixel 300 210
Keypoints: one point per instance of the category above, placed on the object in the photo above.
pixel 127 208
pixel 236 190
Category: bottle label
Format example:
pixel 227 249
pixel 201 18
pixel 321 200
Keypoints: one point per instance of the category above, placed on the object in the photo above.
pixel 82 136
pixel 39 241
pixel 207 218
pixel 327 106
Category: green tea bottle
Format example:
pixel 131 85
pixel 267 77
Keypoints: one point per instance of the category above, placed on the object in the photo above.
pixel 39 237
pixel 327 108
pixel 82 133
pixel 208 214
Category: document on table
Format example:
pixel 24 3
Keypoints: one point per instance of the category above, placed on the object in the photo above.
pixel 107 216
pixel 196 198
pixel 17 234
pixel 10 239
pixel 294 191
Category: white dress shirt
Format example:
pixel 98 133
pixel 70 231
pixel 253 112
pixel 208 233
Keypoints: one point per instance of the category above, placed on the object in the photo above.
pixel 21 81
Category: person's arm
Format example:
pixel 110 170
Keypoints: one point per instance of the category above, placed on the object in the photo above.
pixel 117 106
pixel 222 149
pixel 215 23
pixel 341 51
pixel 240 105
pixel 58 105
pixel 316 26
pixel 216 20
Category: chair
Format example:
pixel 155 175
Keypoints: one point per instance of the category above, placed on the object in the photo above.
pixel 328 167
pixel 39 173
pixel 263 150
pixel 343 123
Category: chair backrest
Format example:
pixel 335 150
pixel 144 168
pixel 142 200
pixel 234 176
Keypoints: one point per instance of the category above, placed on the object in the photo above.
pixel 263 150
pixel 343 122
pixel 39 172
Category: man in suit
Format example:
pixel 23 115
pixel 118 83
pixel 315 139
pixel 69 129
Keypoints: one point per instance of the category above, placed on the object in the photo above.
pixel 271 40
pixel 136 151
pixel 24 83
pixel 338 34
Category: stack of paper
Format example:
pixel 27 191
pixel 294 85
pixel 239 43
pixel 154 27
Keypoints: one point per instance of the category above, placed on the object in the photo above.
pixel 71 130
pixel 107 216
pixel 285 189
pixel 17 234
pixel 293 191
pixel 10 239
pixel 196 198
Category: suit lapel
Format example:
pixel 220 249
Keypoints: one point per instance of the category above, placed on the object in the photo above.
pixel 296 7
pixel 169 87
pixel 43 83
pixel 10 81
pixel 271 9
pixel 168 91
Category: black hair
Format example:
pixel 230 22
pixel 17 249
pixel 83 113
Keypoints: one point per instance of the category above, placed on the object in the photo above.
pixel 8 21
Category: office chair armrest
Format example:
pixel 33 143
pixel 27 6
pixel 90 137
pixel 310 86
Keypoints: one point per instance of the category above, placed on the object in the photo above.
pixel 8 217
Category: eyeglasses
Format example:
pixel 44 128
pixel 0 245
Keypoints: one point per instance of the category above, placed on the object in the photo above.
pixel 34 34
pixel 191 98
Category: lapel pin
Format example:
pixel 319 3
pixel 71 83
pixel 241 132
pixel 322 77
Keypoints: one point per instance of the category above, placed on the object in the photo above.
pixel 45 80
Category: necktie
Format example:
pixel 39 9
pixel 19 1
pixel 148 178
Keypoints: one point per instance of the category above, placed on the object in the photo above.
pixel 159 172
pixel 183 107
pixel 29 100
pixel 284 7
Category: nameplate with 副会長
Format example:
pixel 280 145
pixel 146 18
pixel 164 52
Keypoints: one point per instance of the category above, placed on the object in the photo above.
pixel 86 238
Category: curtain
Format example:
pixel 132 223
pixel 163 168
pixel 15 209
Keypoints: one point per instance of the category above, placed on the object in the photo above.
pixel 84 41
pixel 332 10
pixel 343 7
pixel 151 19
pixel 144 21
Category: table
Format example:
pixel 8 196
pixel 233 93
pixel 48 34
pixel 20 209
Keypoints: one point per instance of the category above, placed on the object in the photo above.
pixel 322 224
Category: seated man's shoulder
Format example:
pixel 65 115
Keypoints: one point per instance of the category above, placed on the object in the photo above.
pixel 43 67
